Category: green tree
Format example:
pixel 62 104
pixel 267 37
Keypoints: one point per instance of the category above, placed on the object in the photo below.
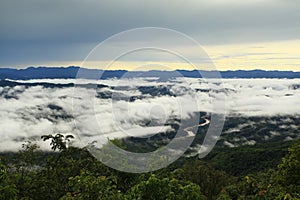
pixel 25 170
pixel 7 189
pixel 289 171
pixel 211 181
pixel 165 188
pixel 87 186
pixel 262 185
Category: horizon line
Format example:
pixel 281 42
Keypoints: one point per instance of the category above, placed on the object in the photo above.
pixel 163 70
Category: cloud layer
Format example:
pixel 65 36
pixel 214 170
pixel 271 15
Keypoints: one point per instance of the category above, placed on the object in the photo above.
pixel 134 107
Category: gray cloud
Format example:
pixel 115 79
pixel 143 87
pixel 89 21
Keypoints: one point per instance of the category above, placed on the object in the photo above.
pixel 67 30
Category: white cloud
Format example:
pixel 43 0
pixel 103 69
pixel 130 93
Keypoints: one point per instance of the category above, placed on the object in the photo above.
pixel 27 115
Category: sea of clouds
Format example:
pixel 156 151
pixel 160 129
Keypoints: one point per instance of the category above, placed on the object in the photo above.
pixel 137 107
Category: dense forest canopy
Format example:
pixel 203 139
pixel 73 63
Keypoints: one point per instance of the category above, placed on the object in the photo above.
pixel 72 173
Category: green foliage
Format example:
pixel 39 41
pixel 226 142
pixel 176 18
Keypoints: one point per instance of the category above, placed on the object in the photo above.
pixel 240 161
pixel 53 179
pixel 166 188
pixel 7 189
pixel 210 180
pixel 73 173
pixel 24 171
pixel 88 186
pixel 282 183
pixel 28 155
pixel 289 171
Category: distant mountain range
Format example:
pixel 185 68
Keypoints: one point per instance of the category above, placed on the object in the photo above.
pixel 71 72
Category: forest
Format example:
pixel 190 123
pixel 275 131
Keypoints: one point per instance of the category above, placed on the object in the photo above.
pixel 265 171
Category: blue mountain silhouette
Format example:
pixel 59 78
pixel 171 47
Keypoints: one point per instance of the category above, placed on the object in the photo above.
pixel 71 72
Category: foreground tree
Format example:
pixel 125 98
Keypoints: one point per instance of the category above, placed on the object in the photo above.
pixel 165 188
pixel 7 190
pixel 58 141
pixel 283 183
pixel 88 186
pixel 289 171
pixel 211 181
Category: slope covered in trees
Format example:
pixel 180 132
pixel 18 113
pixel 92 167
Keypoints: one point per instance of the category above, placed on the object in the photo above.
pixel 72 173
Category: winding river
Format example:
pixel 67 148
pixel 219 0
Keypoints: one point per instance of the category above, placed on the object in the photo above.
pixel 188 129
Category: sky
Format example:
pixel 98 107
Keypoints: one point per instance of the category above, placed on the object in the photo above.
pixel 235 34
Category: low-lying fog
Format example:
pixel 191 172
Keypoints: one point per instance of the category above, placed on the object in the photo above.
pixel 140 106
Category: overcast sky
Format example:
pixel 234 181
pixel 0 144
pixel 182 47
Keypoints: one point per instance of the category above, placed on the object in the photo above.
pixel 235 34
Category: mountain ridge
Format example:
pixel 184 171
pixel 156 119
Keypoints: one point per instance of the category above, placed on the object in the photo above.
pixel 71 72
